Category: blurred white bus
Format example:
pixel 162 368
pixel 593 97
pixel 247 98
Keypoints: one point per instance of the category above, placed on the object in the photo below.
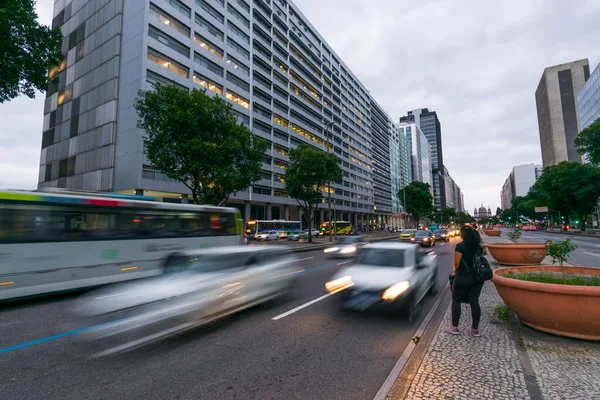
pixel 55 242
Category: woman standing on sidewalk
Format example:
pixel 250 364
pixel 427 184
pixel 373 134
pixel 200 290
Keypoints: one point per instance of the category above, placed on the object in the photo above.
pixel 464 287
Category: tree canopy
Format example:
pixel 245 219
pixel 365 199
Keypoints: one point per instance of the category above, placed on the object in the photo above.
pixel 588 142
pixel 195 139
pixel 307 175
pixel 419 201
pixel 29 50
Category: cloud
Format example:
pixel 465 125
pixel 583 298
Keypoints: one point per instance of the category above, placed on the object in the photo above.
pixel 476 63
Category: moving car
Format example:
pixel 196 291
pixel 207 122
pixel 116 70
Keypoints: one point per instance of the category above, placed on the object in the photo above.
pixel 442 234
pixel 347 246
pixel 424 238
pixel 387 273
pixel 271 235
pixel 196 286
pixel 407 234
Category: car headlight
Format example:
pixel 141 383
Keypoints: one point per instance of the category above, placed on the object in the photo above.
pixel 396 290
pixel 348 250
pixel 412 239
pixel 339 284
pixel 330 249
pixel 425 239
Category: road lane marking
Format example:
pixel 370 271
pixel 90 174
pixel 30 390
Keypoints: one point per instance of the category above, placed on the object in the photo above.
pixel 592 254
pixel 293 310
pixel 307 258
pixel 343 262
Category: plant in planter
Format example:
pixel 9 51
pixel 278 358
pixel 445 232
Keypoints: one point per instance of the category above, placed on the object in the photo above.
pixel 515 235
pixel 559 251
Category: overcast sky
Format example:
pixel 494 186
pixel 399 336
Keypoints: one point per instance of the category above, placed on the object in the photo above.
pixel 477 63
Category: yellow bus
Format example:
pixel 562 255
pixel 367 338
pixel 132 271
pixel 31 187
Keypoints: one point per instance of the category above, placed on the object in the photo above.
pixel 339 228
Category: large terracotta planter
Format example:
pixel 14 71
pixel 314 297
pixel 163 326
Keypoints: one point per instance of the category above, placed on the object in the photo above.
pixel 492 232
pixel 564 310
pixel 517 253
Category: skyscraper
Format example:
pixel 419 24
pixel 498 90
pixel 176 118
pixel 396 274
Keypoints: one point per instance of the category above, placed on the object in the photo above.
pixel 431 127
pixel 558 115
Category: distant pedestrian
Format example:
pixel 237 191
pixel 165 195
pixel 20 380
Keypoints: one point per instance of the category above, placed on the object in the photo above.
pixel 464 287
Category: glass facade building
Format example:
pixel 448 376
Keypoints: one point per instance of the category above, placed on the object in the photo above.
pixel 281 77
pixel 588 100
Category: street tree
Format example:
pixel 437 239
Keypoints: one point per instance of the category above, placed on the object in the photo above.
pixel 574 188
pixel 29 50
pixel 419 201
pixel 448 214
pixel 588 142
pixel 306 177
pixel 195 139
pixel 498 211
pixel 463 218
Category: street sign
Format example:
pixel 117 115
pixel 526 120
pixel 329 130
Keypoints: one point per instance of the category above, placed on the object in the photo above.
pixel 541 209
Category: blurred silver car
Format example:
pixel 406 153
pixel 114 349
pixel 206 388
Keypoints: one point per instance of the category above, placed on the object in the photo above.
pixel 387 273
pixel 196 287
pixel 347 246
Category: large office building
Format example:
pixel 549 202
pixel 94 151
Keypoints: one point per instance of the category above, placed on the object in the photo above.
pixel 400 166
pixel 588 100
pixel 518 183
pixel 281 77
pixel 420 152
pixel 453 193
pixel 430 125
pixel 557 110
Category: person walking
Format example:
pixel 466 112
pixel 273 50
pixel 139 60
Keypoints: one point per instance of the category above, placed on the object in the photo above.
pixel 464 287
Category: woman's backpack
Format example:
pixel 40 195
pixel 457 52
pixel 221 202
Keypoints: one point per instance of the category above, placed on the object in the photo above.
pixel 480 269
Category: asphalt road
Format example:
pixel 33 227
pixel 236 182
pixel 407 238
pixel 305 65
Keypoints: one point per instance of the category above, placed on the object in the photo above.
pixel 588 247
pixel 318 352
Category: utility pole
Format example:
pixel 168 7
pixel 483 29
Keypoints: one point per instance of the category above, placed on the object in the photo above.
pixel 327 125
pixel 404 205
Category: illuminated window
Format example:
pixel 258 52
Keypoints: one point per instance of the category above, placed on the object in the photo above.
pixel 305 85
pixel 237 99
pixel 281 121
pixel 61 97
pixel 169 21
pixel 57 69
pixel 238 65
pixel 280 163
pixel 208 46
pixel 166 62
pixel 280 64
pixel 280 150
pixel 208 84
pixel 306 134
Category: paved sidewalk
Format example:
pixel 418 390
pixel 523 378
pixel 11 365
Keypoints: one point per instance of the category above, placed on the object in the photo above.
pixel 509 360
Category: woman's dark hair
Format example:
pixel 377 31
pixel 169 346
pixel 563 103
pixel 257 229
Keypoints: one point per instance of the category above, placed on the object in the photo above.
pixel 470 238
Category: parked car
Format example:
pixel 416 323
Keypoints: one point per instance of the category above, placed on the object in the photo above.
pixel 347 246
pixel 196 287
pixel 407 234
pixel 298 235
pixel 424 238
pixel 385 274
pixel 442 234
pixel 271 235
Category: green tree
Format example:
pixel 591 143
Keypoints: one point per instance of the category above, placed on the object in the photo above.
pixel 588 142
pixel 195 139
pixel 463 217
pixel 448 214
pixel 498 211
pixel 574 188
pixel 419 201
pixel 307 175
pixel 28 50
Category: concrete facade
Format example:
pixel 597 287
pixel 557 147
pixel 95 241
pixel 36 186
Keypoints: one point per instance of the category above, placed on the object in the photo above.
pixel 557 109
pixel 420 152
pixel 280 75
pixel 518 183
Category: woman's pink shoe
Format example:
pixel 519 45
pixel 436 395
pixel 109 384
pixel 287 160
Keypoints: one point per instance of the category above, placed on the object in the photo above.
pixel 453 330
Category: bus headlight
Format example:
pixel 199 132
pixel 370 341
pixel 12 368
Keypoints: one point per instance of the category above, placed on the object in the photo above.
pixel 339 284
pixel 348 250
pixel 394 291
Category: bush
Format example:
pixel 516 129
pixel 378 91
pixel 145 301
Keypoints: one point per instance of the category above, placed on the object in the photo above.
pixel 515 235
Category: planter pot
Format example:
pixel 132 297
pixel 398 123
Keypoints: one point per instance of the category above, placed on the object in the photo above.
pixel 492 232
pixel 517 253
pixel 565 310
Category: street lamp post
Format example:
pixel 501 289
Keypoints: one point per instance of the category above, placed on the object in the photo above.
pixel 404 204
pixel 327 125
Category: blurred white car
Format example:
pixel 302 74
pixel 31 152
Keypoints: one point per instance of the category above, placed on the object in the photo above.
pixel 386 273
pixel 196 287
pixel 271 235
pixel 347 246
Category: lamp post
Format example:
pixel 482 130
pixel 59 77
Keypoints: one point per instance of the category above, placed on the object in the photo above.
pixel 404 204
pixel 327 125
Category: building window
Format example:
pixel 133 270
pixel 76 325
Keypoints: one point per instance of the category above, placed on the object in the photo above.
pixel 154 78
pixel 280 164
pixel 207 83
pixel 280 120
pixel 48 173
pixel 238 32
pixel 211 10
pixel 237 99
pixel 238 82
pixel 168 63
pixel 281 150
pixel 244 5
pixel 168 41
pixel 237 47
pixel 169 20
pixel 261 190
pixel 238 65
pixel 265 175
pixel 61 97
pixel 216 32
pixel 179 6
pixel 208 46
pixel 237 15
pixel 48 138
pixel 206 63
pixel 281 193
pixel 241 117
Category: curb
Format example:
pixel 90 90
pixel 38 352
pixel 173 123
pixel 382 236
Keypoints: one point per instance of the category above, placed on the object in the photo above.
pixel 401 377
pixel 593 235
